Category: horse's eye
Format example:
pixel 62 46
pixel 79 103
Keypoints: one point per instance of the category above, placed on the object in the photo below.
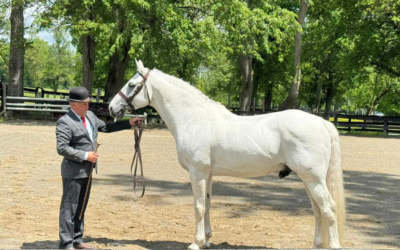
pixel 131 84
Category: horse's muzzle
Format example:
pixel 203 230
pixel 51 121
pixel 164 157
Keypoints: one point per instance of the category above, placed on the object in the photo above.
pixel 116 114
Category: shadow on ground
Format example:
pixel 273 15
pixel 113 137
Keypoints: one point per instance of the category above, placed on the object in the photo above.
pixel 372 198
pixel 153 245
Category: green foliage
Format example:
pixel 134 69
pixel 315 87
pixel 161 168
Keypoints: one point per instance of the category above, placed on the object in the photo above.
pixel 254 28
pixel 347 45
pixel 51 66
pixel 4 44
pixel 4 55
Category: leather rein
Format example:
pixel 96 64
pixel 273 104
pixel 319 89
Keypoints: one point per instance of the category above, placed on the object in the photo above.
pixel 137 157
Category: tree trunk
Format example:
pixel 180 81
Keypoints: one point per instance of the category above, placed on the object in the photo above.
pixel 116 73
pixel 371 109
pixel 88 58
pixel 246 70
pixel 268 97
pixel 318 95
pixel 375 102
pixel 17 50
pixel 56 84
pixel 291 99
pixel 330 93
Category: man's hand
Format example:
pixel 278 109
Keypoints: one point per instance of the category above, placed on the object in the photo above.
pixel 135 121
pixel 92 157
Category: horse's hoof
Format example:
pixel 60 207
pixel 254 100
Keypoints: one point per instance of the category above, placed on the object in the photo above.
pixel 193 246
pixel 319 246
pixel 207 245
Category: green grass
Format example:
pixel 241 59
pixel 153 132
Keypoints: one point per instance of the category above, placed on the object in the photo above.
pixel 345 120
pixel 29 94
pixel 365 133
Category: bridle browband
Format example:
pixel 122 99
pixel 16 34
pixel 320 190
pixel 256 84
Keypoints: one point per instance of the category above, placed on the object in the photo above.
pixel 142 83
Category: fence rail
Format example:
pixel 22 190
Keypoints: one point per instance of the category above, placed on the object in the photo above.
pixel 41 93
pixel 383 124
pixel 57 107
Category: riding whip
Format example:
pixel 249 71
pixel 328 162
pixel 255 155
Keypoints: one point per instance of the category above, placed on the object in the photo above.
pixel 88 184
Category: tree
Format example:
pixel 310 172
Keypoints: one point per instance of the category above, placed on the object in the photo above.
pixel 36 61
pixel 4 44
pixel 82 19
pixel 17 49
pixel 291 99
pixel 252 27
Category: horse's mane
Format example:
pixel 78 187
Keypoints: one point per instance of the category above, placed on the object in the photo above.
pixel 189 88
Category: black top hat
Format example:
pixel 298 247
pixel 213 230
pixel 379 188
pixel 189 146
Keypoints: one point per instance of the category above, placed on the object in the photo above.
pixel 79 94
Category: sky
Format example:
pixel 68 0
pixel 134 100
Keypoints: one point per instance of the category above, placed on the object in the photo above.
pixel 29 18
pixel 46 35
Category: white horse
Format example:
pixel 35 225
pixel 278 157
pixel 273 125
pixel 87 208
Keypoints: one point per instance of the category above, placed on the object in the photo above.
pixel 211 141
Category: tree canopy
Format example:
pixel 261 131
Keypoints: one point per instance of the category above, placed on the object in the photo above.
pixel 237 49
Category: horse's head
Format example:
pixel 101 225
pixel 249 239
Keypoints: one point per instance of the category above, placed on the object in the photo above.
pixel 136 93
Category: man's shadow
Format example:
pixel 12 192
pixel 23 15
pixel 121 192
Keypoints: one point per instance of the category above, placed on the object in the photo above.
pixel 153 245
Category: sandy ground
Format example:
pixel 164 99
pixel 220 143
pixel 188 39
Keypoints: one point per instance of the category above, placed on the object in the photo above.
pixel 263 212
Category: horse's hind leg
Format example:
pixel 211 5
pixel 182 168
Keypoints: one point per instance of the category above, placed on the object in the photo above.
pixel 320 193
pixel 198 180
pixel 318 241
pixel 207 214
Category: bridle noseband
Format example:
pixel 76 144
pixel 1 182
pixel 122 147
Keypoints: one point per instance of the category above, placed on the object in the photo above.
pixel 142 83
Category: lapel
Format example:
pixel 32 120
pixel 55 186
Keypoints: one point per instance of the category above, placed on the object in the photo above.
pixel 91 119
pixel 78 122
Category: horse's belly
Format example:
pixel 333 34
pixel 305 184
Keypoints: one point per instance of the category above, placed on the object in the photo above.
pixel 243 166
pixel 246 150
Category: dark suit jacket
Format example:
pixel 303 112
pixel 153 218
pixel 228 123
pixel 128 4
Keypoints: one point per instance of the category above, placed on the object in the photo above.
pixel 73 142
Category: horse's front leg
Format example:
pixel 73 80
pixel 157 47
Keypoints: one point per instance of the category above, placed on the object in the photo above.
pixel 199 183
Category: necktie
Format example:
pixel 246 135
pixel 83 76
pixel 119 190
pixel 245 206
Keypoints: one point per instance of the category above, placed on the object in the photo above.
pixel 83 121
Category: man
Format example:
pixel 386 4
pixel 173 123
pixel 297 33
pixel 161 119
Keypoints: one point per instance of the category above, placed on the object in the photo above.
pixel 76 134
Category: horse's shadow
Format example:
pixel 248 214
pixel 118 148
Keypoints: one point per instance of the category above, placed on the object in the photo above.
pixel 373 199
pixel 153 245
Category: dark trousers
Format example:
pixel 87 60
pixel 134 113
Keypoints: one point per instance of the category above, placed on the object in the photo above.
pixel 71 228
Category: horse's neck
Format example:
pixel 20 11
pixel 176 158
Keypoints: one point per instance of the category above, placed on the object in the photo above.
pixel 180 107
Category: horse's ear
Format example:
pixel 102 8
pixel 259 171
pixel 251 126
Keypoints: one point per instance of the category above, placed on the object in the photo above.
pixel 140 67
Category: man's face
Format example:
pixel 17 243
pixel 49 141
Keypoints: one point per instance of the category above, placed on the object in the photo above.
pixel 80 108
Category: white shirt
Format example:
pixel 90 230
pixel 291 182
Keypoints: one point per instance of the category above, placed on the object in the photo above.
pixel 89 129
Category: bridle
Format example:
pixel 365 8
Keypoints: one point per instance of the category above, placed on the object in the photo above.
pixel 142 84
pixel 137 157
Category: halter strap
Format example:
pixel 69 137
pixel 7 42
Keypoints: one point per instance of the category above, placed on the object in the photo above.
pixel 144 77
pixel 123 96
pixel 142 83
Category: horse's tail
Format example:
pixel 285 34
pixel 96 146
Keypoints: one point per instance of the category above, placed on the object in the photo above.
pixel 334 181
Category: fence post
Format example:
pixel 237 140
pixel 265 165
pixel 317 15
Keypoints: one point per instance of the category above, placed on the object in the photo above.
pixel 349 128
pixel 145 118
pixel 335 120
pixel 385 126
pixel 2 96
pixel 365 124
pixel 98 95
pixel 4 101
